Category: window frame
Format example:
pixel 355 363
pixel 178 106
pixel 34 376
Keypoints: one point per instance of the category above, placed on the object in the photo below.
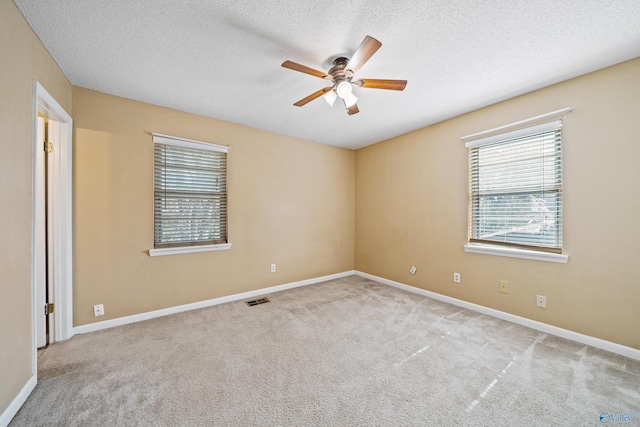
pixel 506 133
pixel 172 249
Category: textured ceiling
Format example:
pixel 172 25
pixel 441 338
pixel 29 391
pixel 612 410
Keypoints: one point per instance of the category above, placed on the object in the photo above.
pixel 222 58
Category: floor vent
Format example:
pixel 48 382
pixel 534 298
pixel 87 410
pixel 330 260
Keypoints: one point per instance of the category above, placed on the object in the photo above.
pixel 257 301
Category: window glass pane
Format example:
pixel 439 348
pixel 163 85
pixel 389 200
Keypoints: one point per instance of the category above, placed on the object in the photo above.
pixel 515 190
pixel 190 196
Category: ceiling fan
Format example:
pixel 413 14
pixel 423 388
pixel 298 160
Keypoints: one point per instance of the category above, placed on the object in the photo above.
pixel 342 73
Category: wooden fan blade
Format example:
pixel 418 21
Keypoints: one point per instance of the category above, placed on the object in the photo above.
pixel 381 84
pixel 351 110
pixel 304 69
pixel 314 95
pixel 367 48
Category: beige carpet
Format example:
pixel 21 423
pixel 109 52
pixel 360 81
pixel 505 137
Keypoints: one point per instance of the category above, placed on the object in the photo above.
pixel 348 352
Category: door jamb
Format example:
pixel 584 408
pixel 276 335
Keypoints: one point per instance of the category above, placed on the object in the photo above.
pixel 62 226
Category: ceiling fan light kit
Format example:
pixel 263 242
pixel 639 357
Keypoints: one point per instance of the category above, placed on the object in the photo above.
pixel 350 101
pixel 343 89
pixel 330 97
pixel 342 73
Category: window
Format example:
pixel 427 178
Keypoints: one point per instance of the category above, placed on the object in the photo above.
pixel 515 189
pixel 190 196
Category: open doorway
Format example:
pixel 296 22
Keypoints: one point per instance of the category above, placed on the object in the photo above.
pixel 41 243
pixel 52 251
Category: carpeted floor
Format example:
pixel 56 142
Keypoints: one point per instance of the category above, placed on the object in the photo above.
pixel 348 352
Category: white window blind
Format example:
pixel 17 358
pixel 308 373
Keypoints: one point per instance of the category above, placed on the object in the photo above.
pixel 190 192
pixel 515 188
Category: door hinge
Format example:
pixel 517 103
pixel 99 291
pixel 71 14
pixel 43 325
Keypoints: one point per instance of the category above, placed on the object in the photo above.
pixel 48 309
pixel 48 146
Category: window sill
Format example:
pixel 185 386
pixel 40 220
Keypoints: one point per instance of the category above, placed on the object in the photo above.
pixel 516 253
pixel 189 249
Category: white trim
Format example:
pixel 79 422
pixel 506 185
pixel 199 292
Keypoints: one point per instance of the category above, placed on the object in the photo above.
pixel 188 143
pixel 61 188
pixel 189 249
pixel 17 402
pixel 629 352
pixel 64 237
pixel 516 253
pixel 92 327
pixel 516 125
pixel 531 130
pixel 62 261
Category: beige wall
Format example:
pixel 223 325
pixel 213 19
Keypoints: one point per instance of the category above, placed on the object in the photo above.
pixel 24 60
pixel 411 208
pixel 291 202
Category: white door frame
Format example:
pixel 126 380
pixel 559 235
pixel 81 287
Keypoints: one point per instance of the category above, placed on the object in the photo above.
pixel 60 161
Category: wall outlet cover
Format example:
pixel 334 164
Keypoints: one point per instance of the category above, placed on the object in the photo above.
pixel 98 310
pixel 541 301
pixel 504 287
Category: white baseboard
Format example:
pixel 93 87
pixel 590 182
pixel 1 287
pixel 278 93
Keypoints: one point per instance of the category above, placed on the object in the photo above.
pixel 91 327
pixel 17 403
pixel 629 352
pixel 533 324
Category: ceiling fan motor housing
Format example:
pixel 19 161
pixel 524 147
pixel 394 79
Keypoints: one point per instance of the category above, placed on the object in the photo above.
pixel 340 72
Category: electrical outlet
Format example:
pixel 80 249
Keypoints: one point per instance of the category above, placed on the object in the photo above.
pixel 98 310
pixel 413 269
pixel 504 287
pixel 456 277
pixel 273 268
pixel 541 301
